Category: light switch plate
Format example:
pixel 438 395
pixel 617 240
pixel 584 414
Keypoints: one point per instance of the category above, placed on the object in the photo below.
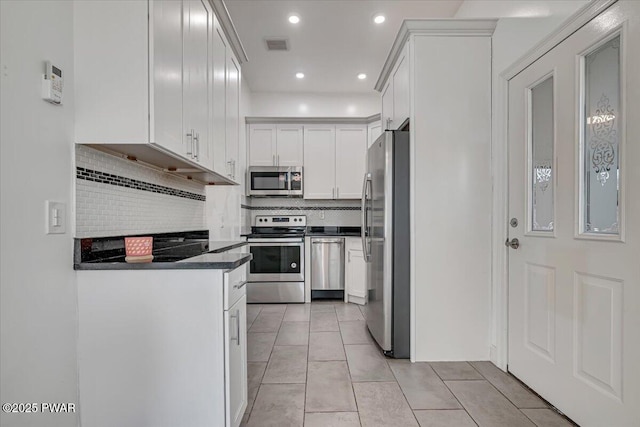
pixel 56 217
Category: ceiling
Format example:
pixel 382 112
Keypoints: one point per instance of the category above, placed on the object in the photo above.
pixel 334 41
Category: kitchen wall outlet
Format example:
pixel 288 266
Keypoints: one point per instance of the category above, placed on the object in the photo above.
pixel 56 216
pixel 321 214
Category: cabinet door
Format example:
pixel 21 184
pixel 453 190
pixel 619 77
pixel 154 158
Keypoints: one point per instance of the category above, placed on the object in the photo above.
pixel 351 157
pixel 233 114
pixel 219 56
pixel 356 273
pixel 319 162
pixel 197 17
pixel 167 75
pixel 387 106
pixel 373 132
pixel 262 145
pixel 289 145
pixel 401 103
pixel 235 326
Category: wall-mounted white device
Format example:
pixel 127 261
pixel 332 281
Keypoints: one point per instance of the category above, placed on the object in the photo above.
pixel 52 84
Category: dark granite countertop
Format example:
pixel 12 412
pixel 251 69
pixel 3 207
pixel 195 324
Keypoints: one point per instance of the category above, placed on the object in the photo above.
pixel 208 261
pixel 332 231
pixel 224 246
pixel 177 251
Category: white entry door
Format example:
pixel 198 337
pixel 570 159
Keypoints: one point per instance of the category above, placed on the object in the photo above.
pixel 574 190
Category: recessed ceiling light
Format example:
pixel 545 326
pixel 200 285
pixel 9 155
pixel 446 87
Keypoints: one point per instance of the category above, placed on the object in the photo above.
pixel 362 76
pixel 294 19
pixel 379 19
pixel 300 75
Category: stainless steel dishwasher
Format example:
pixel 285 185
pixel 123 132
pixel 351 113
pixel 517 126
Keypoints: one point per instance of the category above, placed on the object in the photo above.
pixel 327 264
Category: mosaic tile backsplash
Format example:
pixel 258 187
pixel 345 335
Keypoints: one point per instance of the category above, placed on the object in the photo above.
pixel 115 196
pixel 318 212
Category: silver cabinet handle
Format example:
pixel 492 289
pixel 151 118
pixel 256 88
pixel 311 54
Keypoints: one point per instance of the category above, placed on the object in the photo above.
pixel 337 192
pixel 273 160
pixel 238 327
pixel 239 285
pixel 190 144
pixel 278 164
pixel 237 317
pixel 233 162
pixel 229 169
pixel 196 151
pixel 333 193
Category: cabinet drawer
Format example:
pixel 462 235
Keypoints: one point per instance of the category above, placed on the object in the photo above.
pixel 235 285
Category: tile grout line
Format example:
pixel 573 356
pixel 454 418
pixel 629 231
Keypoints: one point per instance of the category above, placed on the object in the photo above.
pixel 454 395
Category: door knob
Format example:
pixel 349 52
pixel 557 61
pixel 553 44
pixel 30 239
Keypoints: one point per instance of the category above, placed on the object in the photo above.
pixel 514 243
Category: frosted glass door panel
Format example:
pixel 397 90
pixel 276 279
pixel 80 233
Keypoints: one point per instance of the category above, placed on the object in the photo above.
pixel 541 164
pixel 600 149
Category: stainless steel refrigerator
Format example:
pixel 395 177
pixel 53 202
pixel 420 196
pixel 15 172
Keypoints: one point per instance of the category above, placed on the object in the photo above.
pixel 385 241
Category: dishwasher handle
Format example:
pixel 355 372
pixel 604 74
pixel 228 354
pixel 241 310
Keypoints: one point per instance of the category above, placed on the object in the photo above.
pixel 315 241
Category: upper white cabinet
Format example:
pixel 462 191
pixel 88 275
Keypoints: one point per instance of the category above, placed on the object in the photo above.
pixel 276 145
pixel 233 116
pixel 198 19
pixel 290 148
pixel 395 95
pixel 262 145
pixel 351 159
pixel 374 130
pixel 334 161
pixel 319 162
pixel 218 95
pixel 151 83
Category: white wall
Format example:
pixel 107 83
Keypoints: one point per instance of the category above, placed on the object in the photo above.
pixel 266 104
pixel 38 294
pixel 521 26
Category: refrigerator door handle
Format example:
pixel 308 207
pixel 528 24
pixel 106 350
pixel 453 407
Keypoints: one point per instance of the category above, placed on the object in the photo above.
pixel 363 230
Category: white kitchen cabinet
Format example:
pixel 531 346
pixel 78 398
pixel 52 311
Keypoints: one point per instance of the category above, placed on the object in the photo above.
pixel 290 148
pixel 351 156
pixel 355 272
pixel 276 145
pixel 235 320
pixel 319 161
pixel 233 115
pixel 144 72
pixel 374 130
pixel 387 105
pixel 219 102
pixel 395 95
pixel 401 96
pixel 198 19
pixel 262 145
pixel 152 343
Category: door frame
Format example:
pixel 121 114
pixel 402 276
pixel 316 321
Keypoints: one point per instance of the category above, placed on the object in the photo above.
pixel 499 349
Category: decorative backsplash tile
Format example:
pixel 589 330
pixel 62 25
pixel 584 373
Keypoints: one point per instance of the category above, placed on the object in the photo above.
pixel 318 212
pixel 115 196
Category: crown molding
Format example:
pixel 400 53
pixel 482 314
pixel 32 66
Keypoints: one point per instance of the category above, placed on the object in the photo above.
pixel 432 27
pixel 222 13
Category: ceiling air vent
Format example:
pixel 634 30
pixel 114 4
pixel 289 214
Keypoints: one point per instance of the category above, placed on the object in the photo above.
pixel 277 44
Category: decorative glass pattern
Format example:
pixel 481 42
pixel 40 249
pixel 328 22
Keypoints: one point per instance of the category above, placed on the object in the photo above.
pixel 601 127
pixel 541 157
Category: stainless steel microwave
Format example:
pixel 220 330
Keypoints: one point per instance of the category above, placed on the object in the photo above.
pixel 275 181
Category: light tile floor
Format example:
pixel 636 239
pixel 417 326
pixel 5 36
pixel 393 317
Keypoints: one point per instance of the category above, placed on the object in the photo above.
pixel 316 365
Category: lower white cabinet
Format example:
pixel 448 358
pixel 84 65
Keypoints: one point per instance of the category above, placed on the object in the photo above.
pixel 162 347
pixel 235 362
pixel 355 272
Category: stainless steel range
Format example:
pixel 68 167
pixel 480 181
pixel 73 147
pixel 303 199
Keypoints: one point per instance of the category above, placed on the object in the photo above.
pixel 276 272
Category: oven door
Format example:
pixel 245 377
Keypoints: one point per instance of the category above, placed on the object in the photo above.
pixel 276 260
